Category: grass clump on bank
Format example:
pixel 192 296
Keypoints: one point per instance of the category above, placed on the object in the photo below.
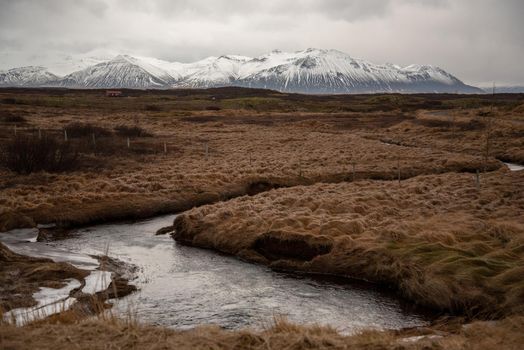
pixel 438 239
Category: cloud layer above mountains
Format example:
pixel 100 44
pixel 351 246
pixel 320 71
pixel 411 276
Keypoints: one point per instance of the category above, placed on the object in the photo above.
pixel 480 41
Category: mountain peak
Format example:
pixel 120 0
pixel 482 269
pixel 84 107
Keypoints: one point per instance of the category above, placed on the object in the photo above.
pixel 123 58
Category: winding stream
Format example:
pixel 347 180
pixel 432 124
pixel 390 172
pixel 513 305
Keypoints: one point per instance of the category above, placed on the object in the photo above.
pixel 183 287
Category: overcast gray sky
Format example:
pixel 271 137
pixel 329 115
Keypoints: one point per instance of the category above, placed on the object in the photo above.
pixel 477 40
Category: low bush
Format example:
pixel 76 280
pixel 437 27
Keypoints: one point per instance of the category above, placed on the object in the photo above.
pixel 434 123
pixel 27 154
pixel 132 131
pixel 471 125
pixel 152 108
pixel 85 130
pixel 9 101
pixel 12 118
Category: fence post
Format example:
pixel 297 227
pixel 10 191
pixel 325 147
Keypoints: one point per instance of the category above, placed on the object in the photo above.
pixel 94 139
pixel 165 147
pixel 398 167
pixel 128 144
pixel 65 134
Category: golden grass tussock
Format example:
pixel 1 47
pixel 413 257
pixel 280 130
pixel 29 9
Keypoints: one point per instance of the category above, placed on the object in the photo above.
pixel 438 239
pixel 103 333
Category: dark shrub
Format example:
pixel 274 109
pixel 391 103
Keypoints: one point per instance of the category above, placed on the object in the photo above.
pixel 9 101
pixel 212 108
pixel 26 154
pixel 8 117
pixel 471 125
pixel 85 130
pixel 484 113
pixel 447 124
pixel 433 123
pixel 153 108
pixel 132 131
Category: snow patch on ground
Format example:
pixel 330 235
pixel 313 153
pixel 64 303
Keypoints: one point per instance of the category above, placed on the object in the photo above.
pixel 97 281
pixel 49 301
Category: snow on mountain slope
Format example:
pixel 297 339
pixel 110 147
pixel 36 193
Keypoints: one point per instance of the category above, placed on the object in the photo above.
pixel 213 72
pixel 175 70
pixel 121 72
pixel 307 71
pixel 26 76
pixel 331 71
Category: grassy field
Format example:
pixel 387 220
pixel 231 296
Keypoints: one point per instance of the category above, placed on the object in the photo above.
pixel 378 187
pixel 247 150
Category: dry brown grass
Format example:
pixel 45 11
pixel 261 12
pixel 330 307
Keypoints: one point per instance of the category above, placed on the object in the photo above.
pixel 284 149
pixel 436 239
pixel 116 334
pixel 463 131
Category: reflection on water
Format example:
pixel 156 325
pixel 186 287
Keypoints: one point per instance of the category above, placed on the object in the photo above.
pixel 182 287
pixel 514 167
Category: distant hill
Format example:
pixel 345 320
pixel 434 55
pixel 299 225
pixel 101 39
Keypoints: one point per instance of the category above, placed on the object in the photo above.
pixel 505 89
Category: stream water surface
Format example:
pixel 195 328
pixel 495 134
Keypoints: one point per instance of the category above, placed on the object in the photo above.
pixel 182 287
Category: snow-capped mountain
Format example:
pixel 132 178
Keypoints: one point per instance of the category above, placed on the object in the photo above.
pixel 27 76
pixel 122 71
pixel 331 71
pixel 307 71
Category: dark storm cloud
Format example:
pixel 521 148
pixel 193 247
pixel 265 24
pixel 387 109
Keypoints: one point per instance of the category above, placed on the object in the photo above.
pixel 479 41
